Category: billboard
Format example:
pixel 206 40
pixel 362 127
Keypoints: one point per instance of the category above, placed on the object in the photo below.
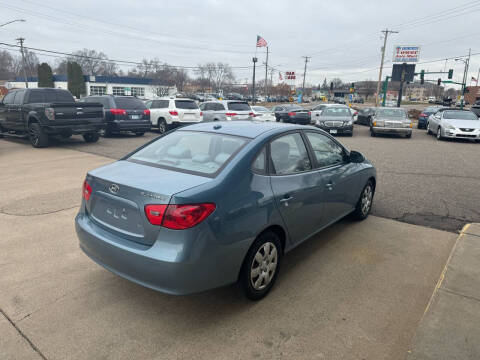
pixel 406 53
pixel 407 69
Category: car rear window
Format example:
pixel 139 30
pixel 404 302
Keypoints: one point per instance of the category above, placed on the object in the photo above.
pixel 50 96
pixel 238 106
pixel 396 113
pixel 186 104
pixel 199 153
pixel 129 103
pixel 459 115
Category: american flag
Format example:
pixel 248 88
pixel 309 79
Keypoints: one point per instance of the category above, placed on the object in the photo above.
pixel 261 41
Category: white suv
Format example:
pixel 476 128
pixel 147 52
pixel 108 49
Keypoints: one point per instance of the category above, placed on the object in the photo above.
pixel 166 113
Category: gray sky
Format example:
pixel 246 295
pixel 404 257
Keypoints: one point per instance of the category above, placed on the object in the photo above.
pixel 343 37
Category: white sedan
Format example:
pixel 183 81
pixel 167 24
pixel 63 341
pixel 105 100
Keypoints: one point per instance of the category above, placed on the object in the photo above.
pixel 263 114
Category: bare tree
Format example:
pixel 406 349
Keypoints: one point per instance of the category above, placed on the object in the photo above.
pixel 31 63
pixel 216 75
pixel 6 65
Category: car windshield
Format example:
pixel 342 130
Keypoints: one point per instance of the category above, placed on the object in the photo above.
pixel 392 113
pixel 238 106
pixel 186 104
pixel 260 109
pixel 129 103
pixel 332 111
pixel 191 151
pixel 459 115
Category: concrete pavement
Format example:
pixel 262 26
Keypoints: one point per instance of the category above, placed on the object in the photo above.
pixel 450 327
pixel 355 291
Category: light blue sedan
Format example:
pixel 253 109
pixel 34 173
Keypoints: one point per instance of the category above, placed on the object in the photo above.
pixel 216 203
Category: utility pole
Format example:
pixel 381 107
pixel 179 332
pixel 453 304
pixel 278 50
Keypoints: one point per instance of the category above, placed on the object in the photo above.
pixel 478 74
pixel 386 32
pixel 253 84
pixel 266 76
pixel 464 82
pixel 304 73
pixel 271 76
pixel 21 40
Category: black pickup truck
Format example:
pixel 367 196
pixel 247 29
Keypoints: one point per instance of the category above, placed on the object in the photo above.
pixel 42 113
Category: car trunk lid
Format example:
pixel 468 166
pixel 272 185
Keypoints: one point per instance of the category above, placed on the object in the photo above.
pixel 121 190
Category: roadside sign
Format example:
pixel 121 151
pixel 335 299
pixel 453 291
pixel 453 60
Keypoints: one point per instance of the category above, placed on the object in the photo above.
pixel 290 75
pixel 407 69
pixel 406 53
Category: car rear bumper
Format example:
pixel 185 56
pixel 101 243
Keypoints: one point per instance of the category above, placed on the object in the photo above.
pixel 394 131
pixel 82 128
pixel 128 125
pixel 337 130
pixel 169 266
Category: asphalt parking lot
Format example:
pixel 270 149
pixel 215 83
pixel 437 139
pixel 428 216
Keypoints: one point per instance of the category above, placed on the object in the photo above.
pixel 355 291
pixel 421 180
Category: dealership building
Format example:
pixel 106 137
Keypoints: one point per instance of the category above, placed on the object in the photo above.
pixel 143 88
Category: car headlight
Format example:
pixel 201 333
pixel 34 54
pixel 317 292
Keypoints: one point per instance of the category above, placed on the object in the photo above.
pixel 407 124
pixel 449 127
pixel 318 122
pixel 349 122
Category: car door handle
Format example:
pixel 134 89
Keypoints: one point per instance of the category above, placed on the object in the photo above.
pixel 286 199
pixel 330 185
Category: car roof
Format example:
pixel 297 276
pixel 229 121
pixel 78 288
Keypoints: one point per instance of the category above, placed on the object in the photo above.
pixel 249 129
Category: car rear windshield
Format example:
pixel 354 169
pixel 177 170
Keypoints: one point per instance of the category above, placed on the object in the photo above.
pixel 200 153
pixel 186 104
pixel 238 106
pixel 260 109
pixel 50 96
pixel 459 115
pixel 392 113
pixel 332 111
pixel 294 108
pixel 129 103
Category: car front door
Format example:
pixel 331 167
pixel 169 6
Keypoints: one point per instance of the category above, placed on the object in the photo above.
pixel 16 111
pixel 296 186
pixel 5 117
pixel 434 121
pixel 341 188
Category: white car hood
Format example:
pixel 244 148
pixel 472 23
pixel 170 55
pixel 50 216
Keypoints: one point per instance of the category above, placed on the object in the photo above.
pixel 464 124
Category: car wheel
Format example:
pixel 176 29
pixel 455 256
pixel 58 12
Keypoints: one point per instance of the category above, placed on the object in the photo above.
pixel 429 132
pixel 364 204
pixel 91 137
pixel 439 134
pixel 36 135
pixel 372 133
pixel 162 126
pixel 408 136
pixel 261 266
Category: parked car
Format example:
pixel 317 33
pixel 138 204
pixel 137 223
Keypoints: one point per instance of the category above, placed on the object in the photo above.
pixel 317 110
pixel 122 113
pixel 42 113
pixel 166 113
pixel 476 108
pixel 335 120
pixel 455 124
pixel 291 113
pixel 423 117
pixel 431 99
pixel 393 121
pixel 226 110
pixel 364 116
pixel 263 114
pixel 212 204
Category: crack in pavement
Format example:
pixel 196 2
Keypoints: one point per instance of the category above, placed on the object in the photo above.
pixel 23 335
pixel 44 213
pixel 429 174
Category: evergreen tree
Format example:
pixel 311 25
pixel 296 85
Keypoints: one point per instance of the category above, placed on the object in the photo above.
pixel 76 82
pixel 45 75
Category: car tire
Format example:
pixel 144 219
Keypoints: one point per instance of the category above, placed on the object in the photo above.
pixel 261 266
pixel 91 137
pixel 162 126
pixel 429 132
pixel 139 133
pixel 37 136
pixel 408 136
pixel 365 201
pixel 372 133
pixel 107 133
pixel 439 133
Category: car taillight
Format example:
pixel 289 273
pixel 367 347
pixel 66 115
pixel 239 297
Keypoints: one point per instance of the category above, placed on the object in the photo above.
pixel 155 213
pixel 118 111
pixel 86 190
pixel 178 217
pixel 50 113
pixel 174 113
pixel 146 112
pixel 231 114
pixel 251 114
pixel 423 115
pixel 292 113
pixel 309 113
pixel 201 113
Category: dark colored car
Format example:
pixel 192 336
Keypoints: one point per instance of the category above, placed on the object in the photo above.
pixel 365 116
pixel 211 204
pixel 123 114
pixel 423 117
pixel 291 113
pixel 335 120
pixel 43 113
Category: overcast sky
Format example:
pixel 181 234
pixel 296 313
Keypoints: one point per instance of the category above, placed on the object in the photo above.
pixel 343 38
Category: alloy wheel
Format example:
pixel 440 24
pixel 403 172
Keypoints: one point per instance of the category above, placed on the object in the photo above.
pixel 439 133
pixel 263 266
pixel 161 127
pixel 367 199
pixel 33 135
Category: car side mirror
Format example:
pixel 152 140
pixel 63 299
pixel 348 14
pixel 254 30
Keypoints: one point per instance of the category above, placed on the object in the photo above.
pixel 356 157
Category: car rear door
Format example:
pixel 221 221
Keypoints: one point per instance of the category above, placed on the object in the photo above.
pixel 341 189
pixel 296 186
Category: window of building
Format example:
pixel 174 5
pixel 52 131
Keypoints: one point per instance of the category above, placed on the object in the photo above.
pixel 138 91
pixel 118 90
pixel 98 90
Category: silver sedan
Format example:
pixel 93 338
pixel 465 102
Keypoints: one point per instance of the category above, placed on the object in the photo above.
pixel 391 121
pixel 452 123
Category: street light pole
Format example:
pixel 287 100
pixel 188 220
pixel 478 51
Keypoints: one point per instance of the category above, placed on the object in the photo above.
pixel 253 83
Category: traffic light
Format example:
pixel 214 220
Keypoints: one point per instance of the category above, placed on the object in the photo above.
pixel 422 77
pixel 331 85
pixel 439 81
pixel 353 86
pixel 450 73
